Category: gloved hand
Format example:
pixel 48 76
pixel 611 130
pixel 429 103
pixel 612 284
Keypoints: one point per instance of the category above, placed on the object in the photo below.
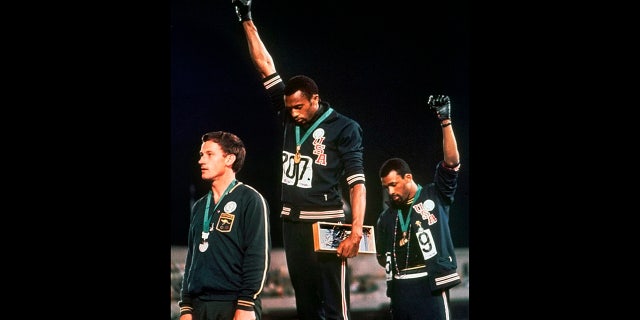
pixel 441 105
pixel 243 9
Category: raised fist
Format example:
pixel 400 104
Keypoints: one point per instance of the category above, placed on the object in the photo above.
pixel 243 9
pixel 441 105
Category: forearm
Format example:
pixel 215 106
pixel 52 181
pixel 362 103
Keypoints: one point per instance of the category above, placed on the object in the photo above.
pixel 358 196
pixel 351 245
pixel 449 144
pixel 259 55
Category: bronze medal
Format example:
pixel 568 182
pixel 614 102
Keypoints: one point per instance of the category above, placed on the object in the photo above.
pixel 404 240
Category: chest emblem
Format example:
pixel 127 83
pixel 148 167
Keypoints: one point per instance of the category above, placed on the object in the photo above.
pixel 225 222
pixel 424 209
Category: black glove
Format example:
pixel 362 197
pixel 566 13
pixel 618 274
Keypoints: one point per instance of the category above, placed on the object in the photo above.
pixel 441 105
pixel 243 9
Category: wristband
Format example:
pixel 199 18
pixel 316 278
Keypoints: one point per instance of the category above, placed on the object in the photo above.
pixel 445 124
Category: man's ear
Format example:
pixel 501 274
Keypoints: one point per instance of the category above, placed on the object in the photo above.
pixel 230 159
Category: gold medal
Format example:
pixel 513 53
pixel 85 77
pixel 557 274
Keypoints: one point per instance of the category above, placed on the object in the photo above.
pixel 296 158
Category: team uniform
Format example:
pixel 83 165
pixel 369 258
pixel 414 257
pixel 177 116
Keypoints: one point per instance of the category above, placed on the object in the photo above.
pixel 418 282
pixel 311 192
pixel 231 272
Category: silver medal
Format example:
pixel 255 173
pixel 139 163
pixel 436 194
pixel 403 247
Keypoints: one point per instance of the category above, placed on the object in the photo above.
pixel 204 244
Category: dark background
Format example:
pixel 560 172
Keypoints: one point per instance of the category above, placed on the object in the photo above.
pixel 376 63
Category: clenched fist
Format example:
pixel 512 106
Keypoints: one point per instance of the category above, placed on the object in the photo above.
pixel 243 9
pixel 441 104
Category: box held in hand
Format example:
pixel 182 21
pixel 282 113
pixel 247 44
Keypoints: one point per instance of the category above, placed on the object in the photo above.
pixel 328 235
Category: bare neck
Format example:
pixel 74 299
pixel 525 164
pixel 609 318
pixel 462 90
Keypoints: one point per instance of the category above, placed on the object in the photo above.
pixel 219 186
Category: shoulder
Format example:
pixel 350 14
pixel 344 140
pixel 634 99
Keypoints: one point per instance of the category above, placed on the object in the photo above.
pixel 337 115
pixel 350 125
pixel 345 123
pixel 246 190
pixel 201 200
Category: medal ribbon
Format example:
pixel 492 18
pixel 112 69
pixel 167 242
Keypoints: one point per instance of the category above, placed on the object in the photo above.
pixel 207 216
pixel 313 127
pixel 404 225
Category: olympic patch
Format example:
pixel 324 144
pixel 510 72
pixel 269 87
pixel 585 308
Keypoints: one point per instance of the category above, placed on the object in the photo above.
pixel 225 222
pixel 230 206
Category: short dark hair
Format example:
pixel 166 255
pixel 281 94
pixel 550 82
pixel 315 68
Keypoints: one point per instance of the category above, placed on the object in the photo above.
pixel 394 164
pixel 306 85
pixel 230 144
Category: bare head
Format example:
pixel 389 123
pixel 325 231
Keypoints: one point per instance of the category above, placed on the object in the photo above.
pixel 220 151
pixel 301 99
pixel 396 178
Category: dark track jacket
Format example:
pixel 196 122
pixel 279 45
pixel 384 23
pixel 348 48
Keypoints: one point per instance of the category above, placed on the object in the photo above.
pixel 430 245
pixel 331 154
pixel 236 262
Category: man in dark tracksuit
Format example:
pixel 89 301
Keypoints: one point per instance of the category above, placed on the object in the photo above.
pixel 321 150
pixel 229 241
pixel 413 240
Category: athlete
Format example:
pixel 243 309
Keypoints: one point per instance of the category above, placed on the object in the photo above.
pixel 413 241
pixel 321 152
pixel 229 241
